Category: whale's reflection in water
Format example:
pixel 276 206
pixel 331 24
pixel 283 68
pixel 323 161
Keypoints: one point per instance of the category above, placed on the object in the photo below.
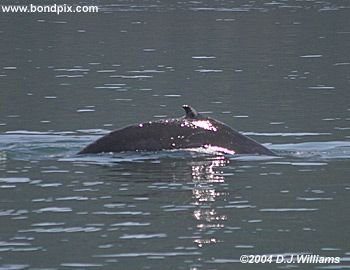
pixel 207 175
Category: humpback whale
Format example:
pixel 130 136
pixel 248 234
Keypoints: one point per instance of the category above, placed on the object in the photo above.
pixel 193 130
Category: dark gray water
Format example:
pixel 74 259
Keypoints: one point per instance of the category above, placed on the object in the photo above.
pixel 277 71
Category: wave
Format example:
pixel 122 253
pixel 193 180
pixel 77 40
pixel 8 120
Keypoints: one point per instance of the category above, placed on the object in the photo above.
pixel 29 145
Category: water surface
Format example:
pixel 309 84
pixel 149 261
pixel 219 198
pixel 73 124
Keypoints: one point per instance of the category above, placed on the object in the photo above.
pixel 276 71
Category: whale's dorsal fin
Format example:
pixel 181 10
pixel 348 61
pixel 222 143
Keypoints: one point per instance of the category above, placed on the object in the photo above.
pixel 190 112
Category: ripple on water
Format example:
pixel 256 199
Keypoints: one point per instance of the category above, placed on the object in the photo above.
pixel 72 198
pixel 14 266
pixel 14 213
pixel 130 224
pixel 73 72
pixel 201 57
pixel 131 213
pixel 143 236
pixel 177 208
pixel 298 163
pixel 63 230
pixel 149 254
pixel 203 70
pixel 309 199
pixel 14 180
pixel 85 110
pixel 286 210
pixel 81 265
pixel 53 210
pixel 132 76
pixel 237 205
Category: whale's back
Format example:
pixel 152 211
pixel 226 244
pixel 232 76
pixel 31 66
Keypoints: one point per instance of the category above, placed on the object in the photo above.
pixel 178 133
pixel 150 136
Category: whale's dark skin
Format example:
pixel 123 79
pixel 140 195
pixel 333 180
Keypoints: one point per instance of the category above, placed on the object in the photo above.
pixel 190 131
